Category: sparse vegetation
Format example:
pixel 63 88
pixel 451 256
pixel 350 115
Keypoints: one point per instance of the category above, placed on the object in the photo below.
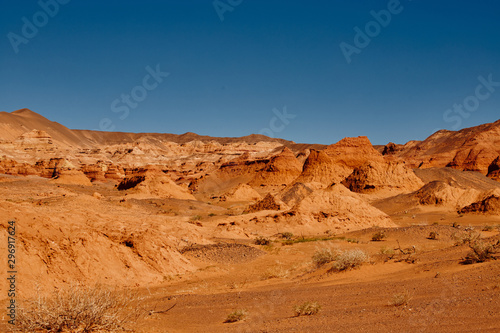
pixel 195 223
pixel 401 299
pixel 261 240
pixel 406 254
pixel 196 218
pixel 481 252
pixel 389 252
pixel 352 240
pixel 211 215
pixel 276 272
pixel 236 315
pixel 466 238
pixel 303 239
pixel 286 235
pixel 79 309
pixel 433 235
pixel 306 309
pixel 350 259
pixel 488 228
pixel 323 256
pixel 378 236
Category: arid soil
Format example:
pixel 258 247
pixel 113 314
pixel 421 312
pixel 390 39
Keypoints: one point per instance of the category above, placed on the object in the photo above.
pixel 200 227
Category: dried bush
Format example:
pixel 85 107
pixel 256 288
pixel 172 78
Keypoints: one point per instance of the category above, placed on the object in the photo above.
pixel 433 235
pixel 469 237
pixel 378 236
pixel 276 272
pixel 79 309
pixel 401 298
pixel 306 309
pixel 286 235
pixel 481 252
pixel 350 259
pixel 324 256
pixel 262 241
pixel 236 315
pixel 387 251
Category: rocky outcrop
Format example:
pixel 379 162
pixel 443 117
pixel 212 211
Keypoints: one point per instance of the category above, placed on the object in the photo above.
pixel 52 168
pixel 268 203
pixel 374 177
pixel 440 193
pixel 103 172
pixel 71 177
pixel 336 208
pixel 151 182
pixel 489 205
pixel 494 169
pixel 353 152
pixel 470 149
pixel 242 192
pixel 295 193
pixel 11 167
pixel 281 169
pixel 321 170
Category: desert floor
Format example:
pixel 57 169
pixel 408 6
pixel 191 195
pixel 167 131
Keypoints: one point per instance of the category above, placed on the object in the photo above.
pixel 444 295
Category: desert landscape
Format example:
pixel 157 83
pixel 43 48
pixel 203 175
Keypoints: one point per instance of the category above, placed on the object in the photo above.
pixel 250 234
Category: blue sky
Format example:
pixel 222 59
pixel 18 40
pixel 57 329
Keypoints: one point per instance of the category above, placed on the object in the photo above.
pixel 227 76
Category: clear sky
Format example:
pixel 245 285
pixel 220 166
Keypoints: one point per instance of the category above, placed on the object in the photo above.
pixel 230 63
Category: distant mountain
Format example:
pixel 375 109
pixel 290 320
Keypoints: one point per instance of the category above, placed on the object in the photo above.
pixel 17 123
pixel 470 149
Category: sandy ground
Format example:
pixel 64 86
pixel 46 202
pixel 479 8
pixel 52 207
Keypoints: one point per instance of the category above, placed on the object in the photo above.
pixel 203 283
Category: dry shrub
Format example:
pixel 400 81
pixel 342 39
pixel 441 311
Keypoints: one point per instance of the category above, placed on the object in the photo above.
pixel 324 256
pixel 276 272
pixel 286 235
pixel 262 241
pixel 236 315
pixel 79 309
pixel 433 235
pixel 401 299
pixel 349 259
pixel 481 252
pixel 469 237
pixel 388 252
pixel 306 309
pixel 378 236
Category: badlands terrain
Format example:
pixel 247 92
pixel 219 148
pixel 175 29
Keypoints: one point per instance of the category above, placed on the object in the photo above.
pixel 200 227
